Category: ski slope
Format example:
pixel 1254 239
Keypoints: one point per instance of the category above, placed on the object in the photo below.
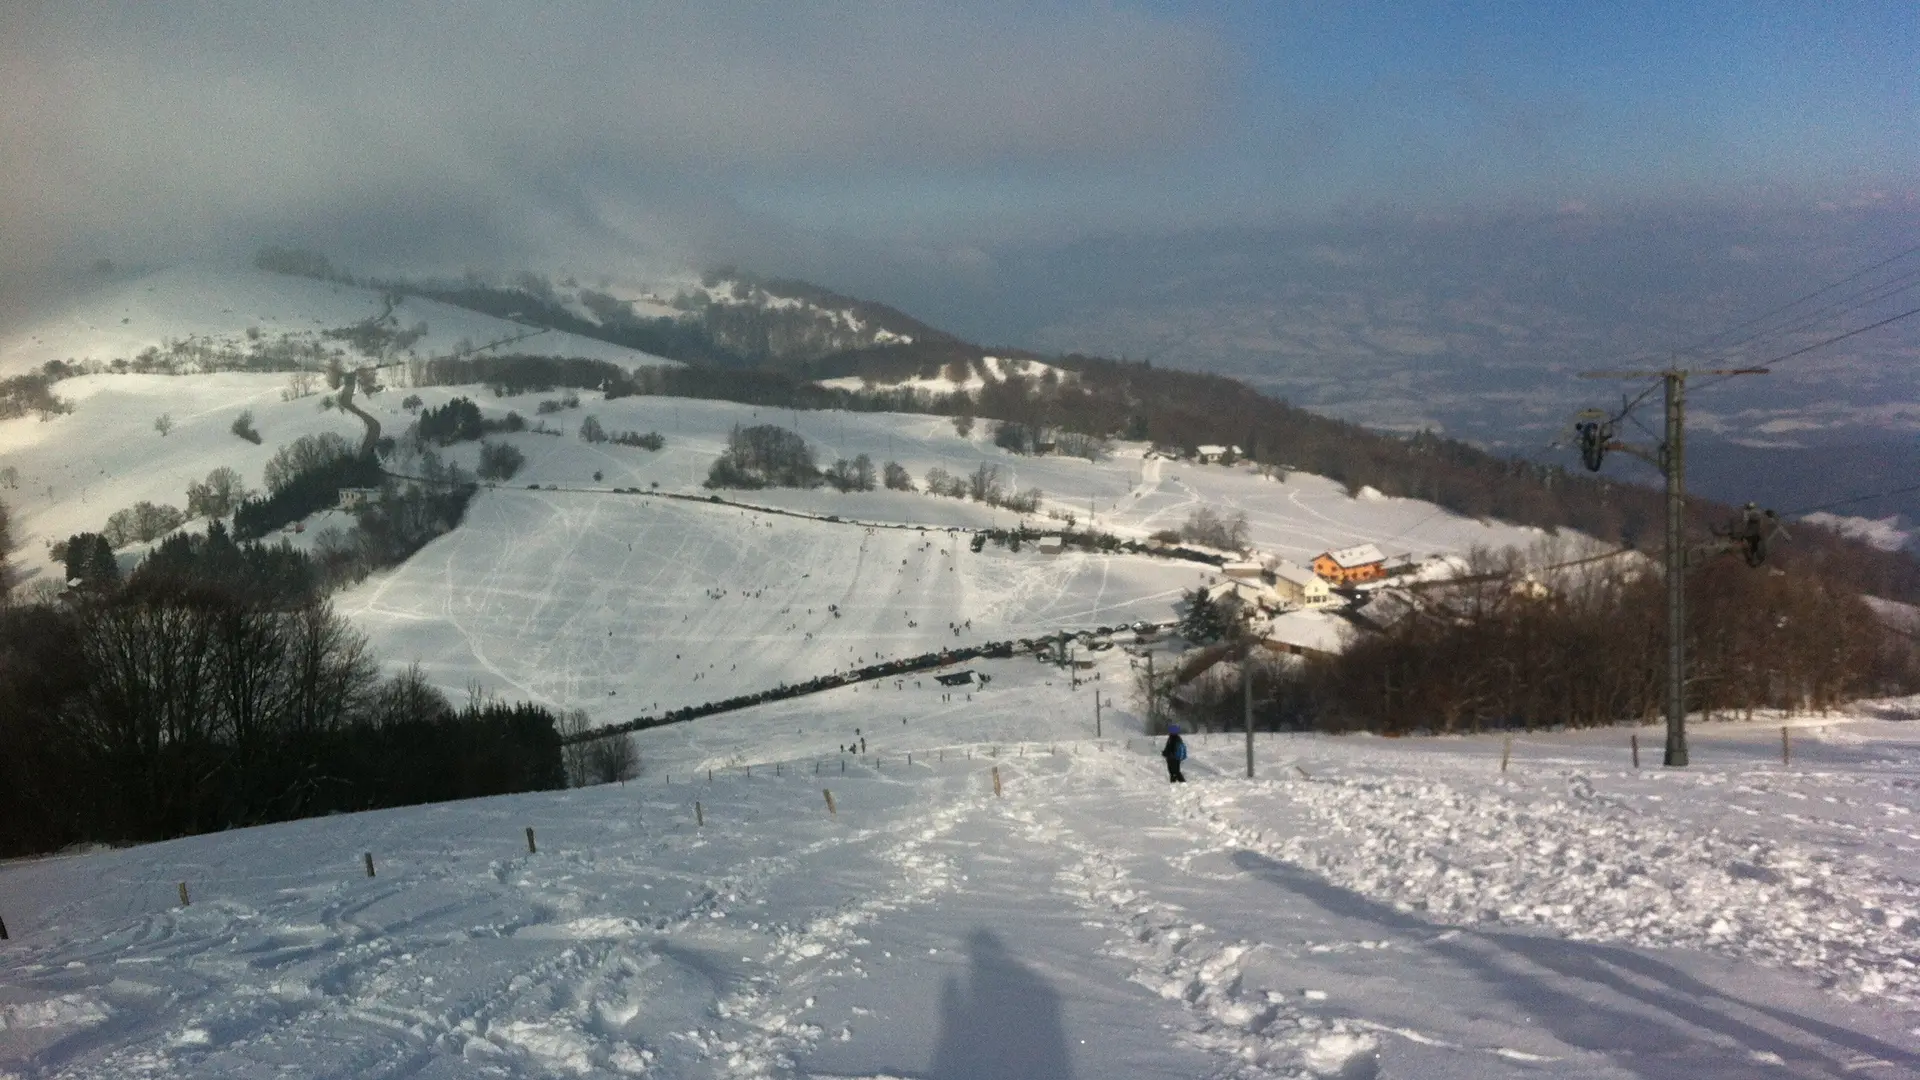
pixel 625 603
pixel 1366 907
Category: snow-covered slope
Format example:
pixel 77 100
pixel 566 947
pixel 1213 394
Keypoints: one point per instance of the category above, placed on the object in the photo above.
pixel 622 603
pixel 582 597
pixel 1365 908
pixel 124 315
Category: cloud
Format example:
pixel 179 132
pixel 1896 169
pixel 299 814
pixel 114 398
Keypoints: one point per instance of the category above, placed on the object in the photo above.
pixel 140 129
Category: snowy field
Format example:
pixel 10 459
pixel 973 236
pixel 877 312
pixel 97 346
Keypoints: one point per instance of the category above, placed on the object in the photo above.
pixel 1366 907
pixel 129 312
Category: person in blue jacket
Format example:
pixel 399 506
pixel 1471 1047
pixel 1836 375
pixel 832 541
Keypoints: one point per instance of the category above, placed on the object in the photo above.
pixel 1175 752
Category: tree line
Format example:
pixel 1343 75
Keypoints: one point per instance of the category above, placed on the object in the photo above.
pixel 1580 647
pixel 216 688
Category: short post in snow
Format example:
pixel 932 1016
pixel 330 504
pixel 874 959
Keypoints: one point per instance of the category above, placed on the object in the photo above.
pixel 1506 752
pixel 1786 748
pixel 996 781
pixel 699 815
pixel 1634 741
pixel 184 901
pixel 3 929
pixel 1246 697
pixel 367 859
pixel 531 849
pixel 1096 714
pixel 830 807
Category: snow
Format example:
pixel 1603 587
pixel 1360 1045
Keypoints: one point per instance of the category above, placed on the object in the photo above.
pixel 1884 533
pixel 122 316
pixel 1361 554
pixel 990 369
pixel 1365 907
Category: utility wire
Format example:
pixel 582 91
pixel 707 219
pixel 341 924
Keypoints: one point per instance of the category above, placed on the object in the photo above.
pixel 1823 290
pixel 1871 295
pixel 1803 511
pixel 1784 357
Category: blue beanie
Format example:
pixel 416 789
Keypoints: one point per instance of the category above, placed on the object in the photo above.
pixel 1173 729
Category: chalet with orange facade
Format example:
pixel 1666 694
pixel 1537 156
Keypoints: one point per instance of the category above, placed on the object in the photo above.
pixel 1351 566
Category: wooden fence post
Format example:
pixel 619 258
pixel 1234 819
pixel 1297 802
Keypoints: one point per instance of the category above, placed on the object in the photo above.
pixel 1786 748
pixel 531 850
pixel 368 859
pixel 184 902
pixel 699 815
pixel 1635 741
pixel 1506 751
pixel 996 781
pixel 830 806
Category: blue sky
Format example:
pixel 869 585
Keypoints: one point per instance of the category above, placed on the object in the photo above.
pixel 1317 109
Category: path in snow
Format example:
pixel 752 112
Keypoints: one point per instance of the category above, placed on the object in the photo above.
pixel 1403 912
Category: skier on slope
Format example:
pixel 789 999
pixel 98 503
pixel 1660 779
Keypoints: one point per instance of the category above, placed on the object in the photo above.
pixel 1175 752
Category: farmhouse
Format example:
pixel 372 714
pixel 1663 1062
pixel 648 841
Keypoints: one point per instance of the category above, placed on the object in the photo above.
pixel 1299 587
pixel 1351 565
pixel 1214 455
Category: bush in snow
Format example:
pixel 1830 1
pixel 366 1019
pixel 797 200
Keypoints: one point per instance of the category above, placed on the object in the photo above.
pixel 1206 526
pixel 243 427
pixel 651 440
pixel 499 461
pixel 591 431
pixel 896 477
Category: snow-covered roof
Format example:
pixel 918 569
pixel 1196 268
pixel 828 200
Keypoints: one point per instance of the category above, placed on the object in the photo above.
pixel 1360 555
pixel 1299 575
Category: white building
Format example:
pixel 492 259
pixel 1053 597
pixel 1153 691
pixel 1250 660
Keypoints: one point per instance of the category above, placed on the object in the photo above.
pixel 1299 587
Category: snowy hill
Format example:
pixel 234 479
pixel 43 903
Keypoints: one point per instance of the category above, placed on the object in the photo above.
pixel 124 315
pixel 538 594
pixel 1365 908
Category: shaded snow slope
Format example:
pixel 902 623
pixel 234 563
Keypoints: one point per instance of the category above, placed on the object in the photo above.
pixel 124 315
pixel 1365 908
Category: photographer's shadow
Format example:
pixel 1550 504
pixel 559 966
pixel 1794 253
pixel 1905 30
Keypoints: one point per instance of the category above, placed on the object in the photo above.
pixel 1004 1024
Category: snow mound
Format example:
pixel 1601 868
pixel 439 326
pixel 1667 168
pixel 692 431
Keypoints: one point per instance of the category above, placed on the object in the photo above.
pixel 1343 1056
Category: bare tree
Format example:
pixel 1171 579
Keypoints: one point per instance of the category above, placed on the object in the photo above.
pixel 576 754
pixel 613 760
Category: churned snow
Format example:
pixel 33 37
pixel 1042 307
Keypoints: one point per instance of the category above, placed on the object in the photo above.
pixel 1365 907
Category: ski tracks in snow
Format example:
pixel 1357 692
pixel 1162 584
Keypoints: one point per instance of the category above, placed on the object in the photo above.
pixel 531 965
